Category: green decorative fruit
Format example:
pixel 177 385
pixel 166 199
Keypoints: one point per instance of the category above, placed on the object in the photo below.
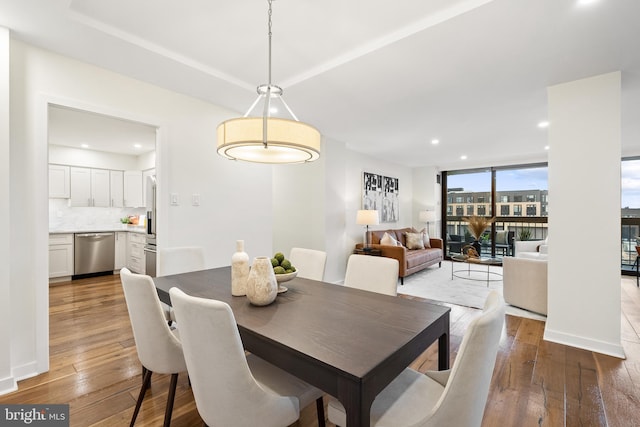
pixel 286 264
pixel 288 271
pixel 279 256
pixel 278 270
pixel 275 262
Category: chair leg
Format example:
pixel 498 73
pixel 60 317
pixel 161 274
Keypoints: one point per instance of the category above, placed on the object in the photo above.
pixel 145 384
pixel 144 372
pixel 170 399
pixel 320 409
pixel 401 281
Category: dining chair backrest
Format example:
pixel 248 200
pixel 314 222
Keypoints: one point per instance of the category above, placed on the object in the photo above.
pixel 225 391
pixel 309 263
pixel 158 348
pixel 465 395
pixel 181 259
pixel 372 273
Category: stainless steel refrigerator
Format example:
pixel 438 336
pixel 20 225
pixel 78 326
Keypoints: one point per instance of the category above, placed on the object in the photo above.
pixel 150 248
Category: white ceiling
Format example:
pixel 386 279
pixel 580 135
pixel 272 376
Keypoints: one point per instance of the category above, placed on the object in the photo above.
pixel 82 129
pixel 384 77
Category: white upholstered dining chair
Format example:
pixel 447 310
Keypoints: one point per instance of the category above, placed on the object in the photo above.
pixel 232 389
pixel 454 397
pixel 309 263
pixel 372 273
pixel 159 348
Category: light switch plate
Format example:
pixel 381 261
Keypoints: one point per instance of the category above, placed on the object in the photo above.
pixel 195 199
pixel 174 199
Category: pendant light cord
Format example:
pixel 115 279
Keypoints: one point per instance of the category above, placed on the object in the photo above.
pixel 267 102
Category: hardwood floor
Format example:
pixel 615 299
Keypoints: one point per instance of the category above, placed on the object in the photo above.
pixel 95 369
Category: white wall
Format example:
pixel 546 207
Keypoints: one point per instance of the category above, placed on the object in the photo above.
pixel 299 206
pixel 427 195
pixel 356 165
pixel 231 193
pixel 7 381
pixel 584 164
pixel 236 199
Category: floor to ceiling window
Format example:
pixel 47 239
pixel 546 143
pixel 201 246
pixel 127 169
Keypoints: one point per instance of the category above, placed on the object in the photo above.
pixel 517 197
pixel 630 213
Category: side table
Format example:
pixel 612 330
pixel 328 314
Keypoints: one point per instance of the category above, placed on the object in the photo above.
pixel 370 251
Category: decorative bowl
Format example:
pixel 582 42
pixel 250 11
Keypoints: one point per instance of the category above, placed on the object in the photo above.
pixel 281 278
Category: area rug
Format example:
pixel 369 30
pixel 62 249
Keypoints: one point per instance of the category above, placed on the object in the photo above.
pixel 471 291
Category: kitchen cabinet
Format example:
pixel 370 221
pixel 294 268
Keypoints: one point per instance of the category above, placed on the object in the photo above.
pixel 135 252
pixel 133 189
pixel 89 187
pixel 59 182
pixel 120 256
pixel 117 188
pixel 60 255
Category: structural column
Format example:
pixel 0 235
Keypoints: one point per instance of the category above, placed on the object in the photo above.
pixel 584 214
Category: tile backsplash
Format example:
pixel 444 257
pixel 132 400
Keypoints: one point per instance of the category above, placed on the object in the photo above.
pixel 63 216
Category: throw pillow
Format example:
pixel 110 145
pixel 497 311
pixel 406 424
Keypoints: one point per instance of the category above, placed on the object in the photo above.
pixel 501 237
pixel 414 241
pixel 388 240
pixel 426 240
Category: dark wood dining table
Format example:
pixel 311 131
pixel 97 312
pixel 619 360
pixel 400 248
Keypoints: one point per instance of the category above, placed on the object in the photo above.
pixel 347 342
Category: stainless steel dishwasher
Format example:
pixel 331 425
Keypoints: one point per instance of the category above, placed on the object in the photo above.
pixel 94 253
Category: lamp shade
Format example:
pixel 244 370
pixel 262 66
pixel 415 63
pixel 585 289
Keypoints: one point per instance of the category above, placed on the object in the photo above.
pixel 288 141
pixel 427 216
pixel 367 217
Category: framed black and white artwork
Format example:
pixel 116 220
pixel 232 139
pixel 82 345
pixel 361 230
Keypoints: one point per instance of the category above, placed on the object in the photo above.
pixel 390 202
pixel 381 193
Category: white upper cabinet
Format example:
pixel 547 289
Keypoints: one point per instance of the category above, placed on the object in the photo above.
pixel 90 187
pixel 100 184
pixel 117 188
pixel 133 189
pixel 59 182
pixel 80 186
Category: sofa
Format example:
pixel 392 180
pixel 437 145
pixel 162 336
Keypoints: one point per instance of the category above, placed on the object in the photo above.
pixel 410 260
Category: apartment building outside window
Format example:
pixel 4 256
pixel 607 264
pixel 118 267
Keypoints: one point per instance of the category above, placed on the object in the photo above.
pixel 470 210
pixel 532 210
pixel 482 210
pixel 504 210
pixel 517 210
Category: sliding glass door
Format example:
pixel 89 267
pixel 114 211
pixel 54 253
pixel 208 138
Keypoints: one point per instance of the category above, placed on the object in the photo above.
pixel 516 196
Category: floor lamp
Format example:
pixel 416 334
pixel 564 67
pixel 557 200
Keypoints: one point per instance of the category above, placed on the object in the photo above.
pixel 427 216
pixel 367 217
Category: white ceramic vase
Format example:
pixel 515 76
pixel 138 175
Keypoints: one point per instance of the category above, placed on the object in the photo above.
pixel 239 270
pixel 262 287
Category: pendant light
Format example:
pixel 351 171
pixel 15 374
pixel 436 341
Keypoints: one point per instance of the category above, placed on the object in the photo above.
pixel 267 138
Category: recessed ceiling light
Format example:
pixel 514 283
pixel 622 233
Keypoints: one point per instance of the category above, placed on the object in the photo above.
pixel 435 142
pixel 137 145
pixel 463 157
pixel 586 2
pixel 84 145
pixel 543 124
pixel 546 147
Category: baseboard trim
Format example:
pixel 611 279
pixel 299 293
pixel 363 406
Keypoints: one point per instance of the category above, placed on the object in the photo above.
pixel 8 385
pixel 610 349
pixel 25 371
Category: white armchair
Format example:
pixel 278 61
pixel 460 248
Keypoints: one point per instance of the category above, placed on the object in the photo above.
pixel 525 283
pixel 532 249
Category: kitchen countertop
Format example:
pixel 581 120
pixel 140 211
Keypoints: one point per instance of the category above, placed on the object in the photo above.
pixel 98 229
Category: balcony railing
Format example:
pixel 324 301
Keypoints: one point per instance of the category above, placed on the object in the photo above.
pixel 535 228
pixel 523 228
